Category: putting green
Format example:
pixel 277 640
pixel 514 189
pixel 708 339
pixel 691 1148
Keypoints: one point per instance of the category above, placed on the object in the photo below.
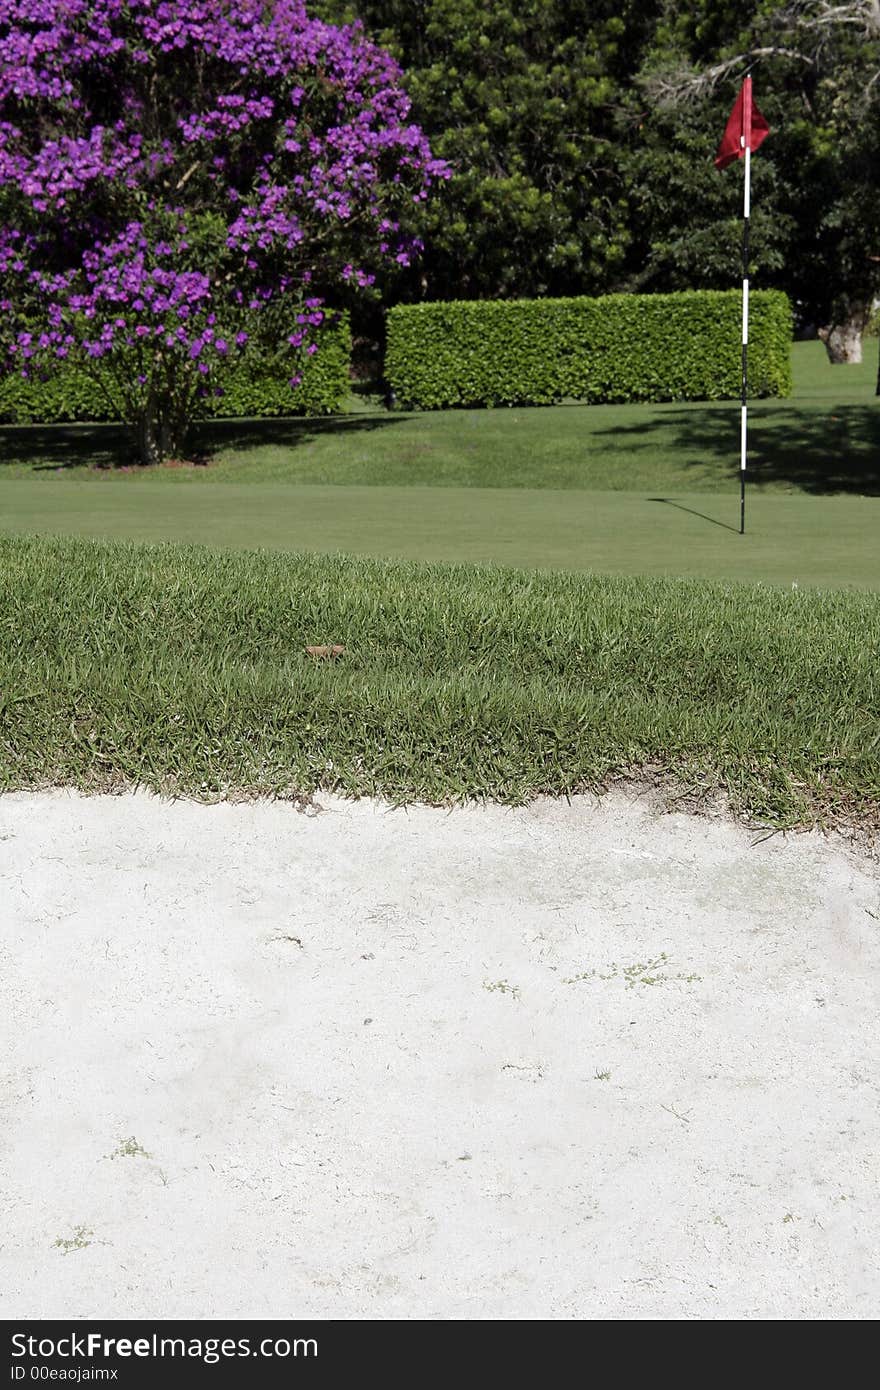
pixel 827 541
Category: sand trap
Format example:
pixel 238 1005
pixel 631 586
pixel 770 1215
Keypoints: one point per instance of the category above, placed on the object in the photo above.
pixel 586 1061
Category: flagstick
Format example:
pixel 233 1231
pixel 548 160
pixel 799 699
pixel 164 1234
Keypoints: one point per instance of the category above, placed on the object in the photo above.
pixel 747 195
pixel 746 129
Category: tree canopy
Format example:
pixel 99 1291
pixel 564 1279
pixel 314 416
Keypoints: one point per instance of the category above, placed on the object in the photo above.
pixel 817 67
pixel 183 179
pixel 179 181
pixel 581 135
pixel 522 97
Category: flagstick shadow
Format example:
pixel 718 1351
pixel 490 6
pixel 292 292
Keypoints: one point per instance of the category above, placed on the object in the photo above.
pixel 668 502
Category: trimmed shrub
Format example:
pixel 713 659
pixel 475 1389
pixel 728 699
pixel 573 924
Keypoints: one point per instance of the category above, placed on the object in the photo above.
pixel 67 394
pixel 621 347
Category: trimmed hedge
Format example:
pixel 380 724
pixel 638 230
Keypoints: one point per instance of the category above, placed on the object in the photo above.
pixel 67 394
pixel 621 347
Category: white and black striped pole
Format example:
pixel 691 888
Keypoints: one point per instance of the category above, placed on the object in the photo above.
pixel 745 130
pixel 744 426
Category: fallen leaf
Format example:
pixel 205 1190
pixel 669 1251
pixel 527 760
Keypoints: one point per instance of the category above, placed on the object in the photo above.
pixel 323 653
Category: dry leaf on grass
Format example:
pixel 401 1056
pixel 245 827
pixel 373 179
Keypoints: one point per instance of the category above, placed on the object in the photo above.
pixel 323 653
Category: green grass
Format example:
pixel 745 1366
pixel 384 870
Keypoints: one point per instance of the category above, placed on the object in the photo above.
pixel 826 438
pixel 643 489
pixel 183 670
pixel 181 667
pixel 831 542
pixel 619 489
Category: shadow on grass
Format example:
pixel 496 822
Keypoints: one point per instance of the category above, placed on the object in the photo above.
pixel 691 511
pixel 47 448
pixel 815 449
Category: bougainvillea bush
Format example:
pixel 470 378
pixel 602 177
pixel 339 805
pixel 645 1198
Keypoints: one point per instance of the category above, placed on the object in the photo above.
pixel 183 180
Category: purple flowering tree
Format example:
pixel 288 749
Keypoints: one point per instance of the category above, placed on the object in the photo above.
pixel 184 180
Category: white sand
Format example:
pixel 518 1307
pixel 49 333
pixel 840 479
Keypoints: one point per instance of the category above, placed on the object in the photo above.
pixel 585 1061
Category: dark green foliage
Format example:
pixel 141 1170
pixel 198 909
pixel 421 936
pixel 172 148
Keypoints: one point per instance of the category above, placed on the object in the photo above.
pixel 323 389
pixel 687 217
pixel 671 347
pixel 65 395
pixel 581 136
pixel 816 192
pixel 68 394
pixel 522 98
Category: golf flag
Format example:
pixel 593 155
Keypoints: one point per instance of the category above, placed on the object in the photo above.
pixel 745 129
pixel 744 132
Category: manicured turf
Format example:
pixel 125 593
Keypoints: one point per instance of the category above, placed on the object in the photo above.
pixel 833 542
pixel 184 670
pixel 826 438
pixel 642 489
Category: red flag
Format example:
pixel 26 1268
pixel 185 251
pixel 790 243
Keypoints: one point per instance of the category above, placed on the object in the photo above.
pixel 746 127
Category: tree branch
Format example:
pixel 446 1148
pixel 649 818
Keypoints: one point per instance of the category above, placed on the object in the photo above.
pixel 863 14
pixel 185 178
pixel 804 28
pixel 672 88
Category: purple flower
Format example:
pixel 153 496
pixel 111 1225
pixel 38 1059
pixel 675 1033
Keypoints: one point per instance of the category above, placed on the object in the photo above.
pixel 103 205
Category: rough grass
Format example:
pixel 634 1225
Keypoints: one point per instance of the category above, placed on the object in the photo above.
pixel 184 670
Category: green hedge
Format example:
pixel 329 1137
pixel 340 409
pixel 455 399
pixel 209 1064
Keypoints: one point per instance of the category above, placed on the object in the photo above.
pixel 621 347
pixel 67 394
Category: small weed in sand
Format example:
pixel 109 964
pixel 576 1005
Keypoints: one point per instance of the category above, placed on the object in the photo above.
pixel 78 1241
pixel 644 972
pixel 129 1148
pixel 501 987
pixel 640 972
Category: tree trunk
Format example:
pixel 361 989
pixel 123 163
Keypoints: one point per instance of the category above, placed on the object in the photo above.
pixel 147 439
pixel 158 439
pixel 843 339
